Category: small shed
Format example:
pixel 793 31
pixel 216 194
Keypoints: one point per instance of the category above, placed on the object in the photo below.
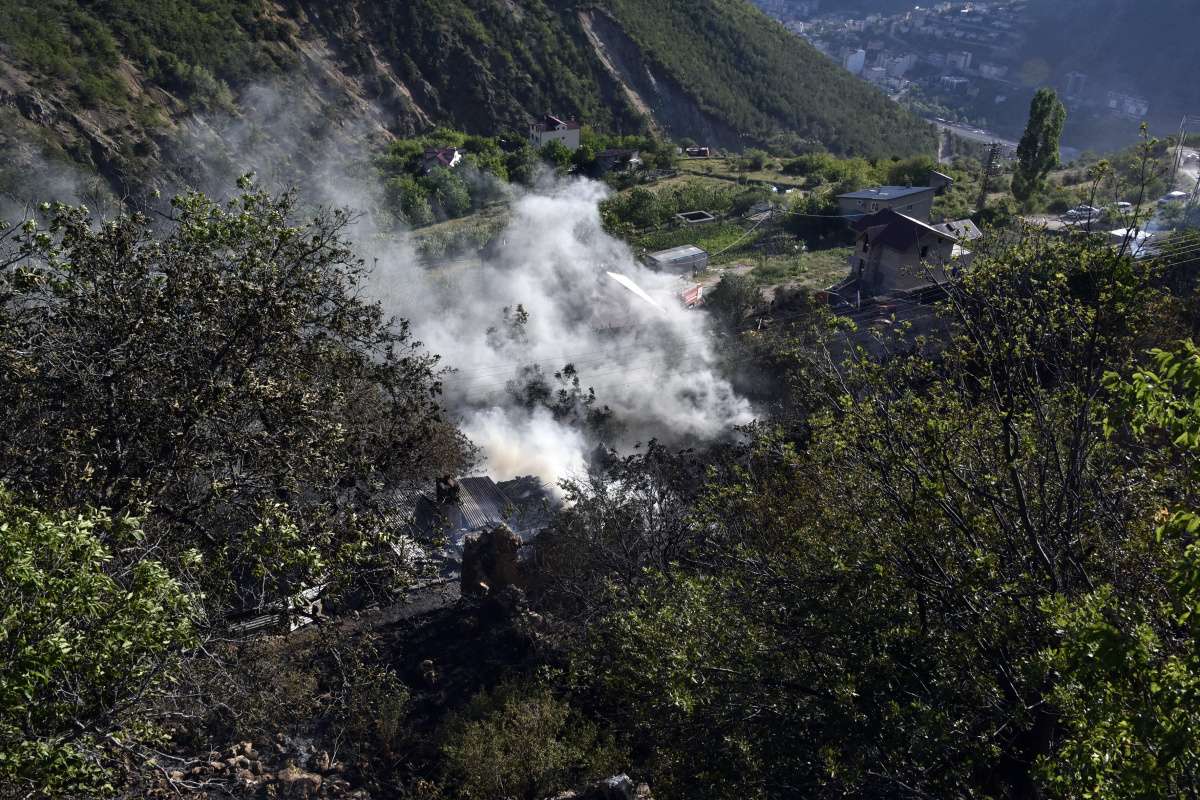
pixel 687 258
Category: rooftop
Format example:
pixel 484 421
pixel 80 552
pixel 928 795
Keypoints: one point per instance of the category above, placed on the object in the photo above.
pixel 896 230
pixel 886 192
pixel 961 229
pixel 549 122
pixel 677 253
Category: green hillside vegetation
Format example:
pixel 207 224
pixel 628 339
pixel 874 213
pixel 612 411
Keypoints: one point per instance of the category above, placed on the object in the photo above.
pixel 195 51
pixel 750 71
pixel 479 66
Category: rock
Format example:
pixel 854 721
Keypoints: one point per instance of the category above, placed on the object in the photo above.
pixel 296 784
pixel 216 766
pixel 247 778
pixel 618 787
pixel 323 762
pixel 175 775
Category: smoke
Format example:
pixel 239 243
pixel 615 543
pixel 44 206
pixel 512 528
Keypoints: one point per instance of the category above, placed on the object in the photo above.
pixel 589 302
pixel 647 357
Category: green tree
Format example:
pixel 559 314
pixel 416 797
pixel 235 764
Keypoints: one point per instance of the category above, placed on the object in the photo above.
pixel 1037 152
pixel 450 192
pixel 87 645
pixel 1130 664
pixel 733 299
pixel 860 608
pixel 521 741
pixel 223 370
pixel 556 153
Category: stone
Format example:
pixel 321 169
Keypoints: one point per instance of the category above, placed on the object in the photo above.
pixel 296 784
pixel 618 787
pixel 175 775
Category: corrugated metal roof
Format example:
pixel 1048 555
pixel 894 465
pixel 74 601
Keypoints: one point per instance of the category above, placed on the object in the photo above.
pixel 961 229
pixel 481 503
pixel 678 253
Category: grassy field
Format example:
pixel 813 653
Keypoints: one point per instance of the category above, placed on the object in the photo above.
pixel 815 270
pixel 728 236
pixel 726 168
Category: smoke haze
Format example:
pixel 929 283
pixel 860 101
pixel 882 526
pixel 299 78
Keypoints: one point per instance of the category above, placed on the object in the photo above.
pixel 590 303
pixel 649 360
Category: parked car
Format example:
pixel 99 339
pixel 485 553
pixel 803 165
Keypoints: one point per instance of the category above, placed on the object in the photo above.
pixel 1083 213
pixel 1173 197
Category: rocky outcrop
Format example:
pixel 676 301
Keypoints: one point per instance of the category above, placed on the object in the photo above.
pixel 618 787
pixel 283 770
pixel 650 88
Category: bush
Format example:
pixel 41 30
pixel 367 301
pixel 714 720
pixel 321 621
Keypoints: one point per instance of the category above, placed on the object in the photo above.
pixel 519 741
pixel 84 646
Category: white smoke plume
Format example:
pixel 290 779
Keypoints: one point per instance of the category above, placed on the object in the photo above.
pixel 650 359
pixel 647 358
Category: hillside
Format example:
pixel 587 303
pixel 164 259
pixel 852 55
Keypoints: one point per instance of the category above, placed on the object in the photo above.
pixel 115 85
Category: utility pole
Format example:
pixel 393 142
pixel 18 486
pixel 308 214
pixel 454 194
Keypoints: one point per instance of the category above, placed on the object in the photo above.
pixel 989 171
pixel 1187 120
pixel 1178 151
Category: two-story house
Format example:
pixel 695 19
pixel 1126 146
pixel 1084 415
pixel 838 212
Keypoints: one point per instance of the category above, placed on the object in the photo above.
pixel 895 252
pixel 551 128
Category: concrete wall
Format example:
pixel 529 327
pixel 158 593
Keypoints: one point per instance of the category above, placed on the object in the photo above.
pixel 569 137
pixel 883 269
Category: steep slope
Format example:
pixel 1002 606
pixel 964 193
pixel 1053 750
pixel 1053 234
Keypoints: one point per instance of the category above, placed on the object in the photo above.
pixel 747 71
pixel 119 86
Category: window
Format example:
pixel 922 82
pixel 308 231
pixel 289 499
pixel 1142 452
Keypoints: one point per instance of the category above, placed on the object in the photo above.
pixel 924 252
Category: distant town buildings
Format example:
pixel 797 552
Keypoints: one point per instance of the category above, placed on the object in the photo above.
pixel 1128 105
pixel 855 61
pixel 951 52
pixel 954 84
pixel 960 60
pixel 993 72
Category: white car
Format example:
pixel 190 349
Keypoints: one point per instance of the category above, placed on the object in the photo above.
pixel 1083 212
pixel 1173 197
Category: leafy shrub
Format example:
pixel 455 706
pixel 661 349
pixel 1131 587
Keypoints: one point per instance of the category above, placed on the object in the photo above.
pixel 85 646
pixel 519 741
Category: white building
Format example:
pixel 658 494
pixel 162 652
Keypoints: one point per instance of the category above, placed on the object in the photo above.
pixel 1128 105
pixel 993 71
pixel 553 129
